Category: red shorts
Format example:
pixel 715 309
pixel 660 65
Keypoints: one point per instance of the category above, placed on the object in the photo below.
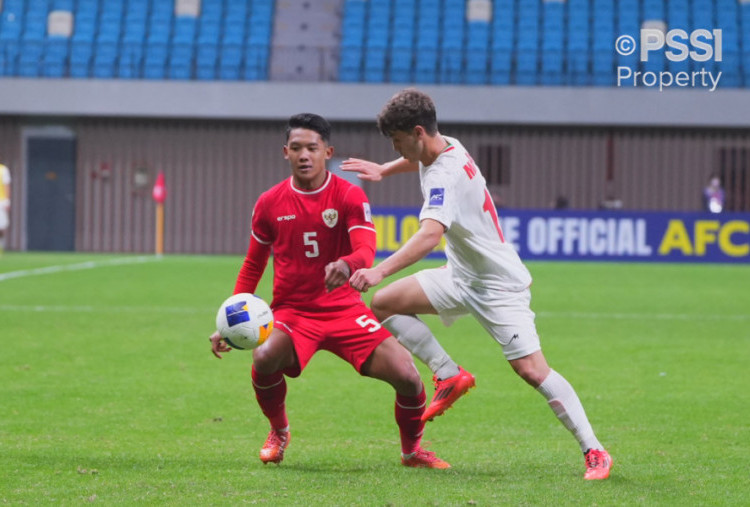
pixel 352 334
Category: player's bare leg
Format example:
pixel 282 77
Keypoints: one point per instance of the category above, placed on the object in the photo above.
pixel 392 363
pixel 566 405
pixel 269 384
pixel 397 306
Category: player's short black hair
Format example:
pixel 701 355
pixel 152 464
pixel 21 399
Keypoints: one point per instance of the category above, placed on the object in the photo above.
pixel 407 109
pixel 312 122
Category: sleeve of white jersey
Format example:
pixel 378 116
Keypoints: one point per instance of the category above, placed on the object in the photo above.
pixel 439 194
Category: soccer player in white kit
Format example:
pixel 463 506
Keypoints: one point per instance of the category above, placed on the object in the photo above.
pixel 484 275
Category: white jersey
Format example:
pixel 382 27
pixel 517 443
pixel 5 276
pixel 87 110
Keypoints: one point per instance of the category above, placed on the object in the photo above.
pixel 456 195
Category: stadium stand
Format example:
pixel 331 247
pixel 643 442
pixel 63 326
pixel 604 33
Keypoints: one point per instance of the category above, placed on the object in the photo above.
pixel 474 42
pixel 136 39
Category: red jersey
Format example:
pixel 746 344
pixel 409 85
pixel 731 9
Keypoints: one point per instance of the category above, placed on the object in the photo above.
pixel 307 230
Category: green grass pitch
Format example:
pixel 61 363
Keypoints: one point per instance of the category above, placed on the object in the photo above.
pixel 109 394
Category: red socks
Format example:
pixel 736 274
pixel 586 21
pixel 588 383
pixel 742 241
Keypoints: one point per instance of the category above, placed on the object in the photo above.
pixel 270 391
pixel 409 410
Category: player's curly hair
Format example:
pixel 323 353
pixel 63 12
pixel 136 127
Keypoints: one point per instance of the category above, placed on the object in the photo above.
pixel 312 122
pixel 407 109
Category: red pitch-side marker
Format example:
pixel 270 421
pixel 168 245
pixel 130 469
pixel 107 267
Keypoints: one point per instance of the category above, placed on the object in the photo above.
pixel 160 191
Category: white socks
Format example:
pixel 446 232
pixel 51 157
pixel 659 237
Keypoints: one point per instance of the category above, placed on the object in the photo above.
pixel 564 402
pixel 414 334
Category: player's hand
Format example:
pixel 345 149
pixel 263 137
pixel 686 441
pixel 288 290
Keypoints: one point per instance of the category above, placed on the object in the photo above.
pixel 368 171
pixel 218 344
pixel 337 273
pixel 363 279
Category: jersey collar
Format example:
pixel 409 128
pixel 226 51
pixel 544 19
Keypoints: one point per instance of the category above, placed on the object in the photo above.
pixel 310 192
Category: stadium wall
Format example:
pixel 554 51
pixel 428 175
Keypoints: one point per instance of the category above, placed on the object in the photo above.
pixel 217 164
pixel 517 105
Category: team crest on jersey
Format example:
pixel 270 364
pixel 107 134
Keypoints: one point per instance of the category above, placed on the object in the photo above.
pixel 331 217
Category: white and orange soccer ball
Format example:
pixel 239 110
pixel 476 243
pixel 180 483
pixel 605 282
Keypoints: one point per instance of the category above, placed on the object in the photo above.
pixel 244 321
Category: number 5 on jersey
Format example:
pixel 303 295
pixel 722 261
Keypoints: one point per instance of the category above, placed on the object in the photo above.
pixel 310 241
pixel 366 322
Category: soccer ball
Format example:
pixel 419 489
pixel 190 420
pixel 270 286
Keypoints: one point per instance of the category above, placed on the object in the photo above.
pixel 244 321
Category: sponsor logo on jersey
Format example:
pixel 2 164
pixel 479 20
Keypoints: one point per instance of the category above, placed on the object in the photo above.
pixel 436 196
pixel 331 217
pixel 286 217
pixel 368 213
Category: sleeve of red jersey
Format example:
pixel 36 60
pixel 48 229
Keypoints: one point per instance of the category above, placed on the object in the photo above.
pixel 258 252
pixel 253 266
pixel 362 234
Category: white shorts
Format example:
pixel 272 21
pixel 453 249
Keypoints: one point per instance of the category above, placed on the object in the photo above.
pixel 3 217
pixel 506 316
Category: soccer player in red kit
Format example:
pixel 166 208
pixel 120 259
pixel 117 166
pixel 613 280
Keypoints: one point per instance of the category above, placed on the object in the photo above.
pixel 320 230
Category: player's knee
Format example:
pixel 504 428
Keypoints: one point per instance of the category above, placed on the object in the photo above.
pixel 266 360
pixel 261 361
pixel 409 382
pixel 381 305
pixel 533 376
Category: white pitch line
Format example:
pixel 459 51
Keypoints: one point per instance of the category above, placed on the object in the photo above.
pixel 48 270
pixel 641 316
pixel 99 309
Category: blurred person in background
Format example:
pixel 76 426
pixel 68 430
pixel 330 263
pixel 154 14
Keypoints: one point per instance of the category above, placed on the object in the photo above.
pixel 4 204
pixel 713 195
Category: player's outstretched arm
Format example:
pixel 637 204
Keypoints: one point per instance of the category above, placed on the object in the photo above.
pixel 370 171
pixel 423 242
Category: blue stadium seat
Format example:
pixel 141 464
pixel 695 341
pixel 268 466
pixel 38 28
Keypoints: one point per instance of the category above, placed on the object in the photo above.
pixel 63 5
pixel 11 25
pixel 81 52
pixel 55 56
pixel 230 61
pixel 527 47
pixel 502 39
pixel 375 58
pixel 401 65
pixel 180 70
pixel 104 60
pixel 129 63
pixel 451 66
pixel 553 43
pixel 155 60
pixel 653 9
pixel 184 30
pixel 32 49
pixel 426 68
pixel 702 14
pixel 350 64
pixel 501 64
pixel 602 67
pixel 477 52
pixel 477 65
pixel 207 58
pixel 578 42
pixel 256 64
